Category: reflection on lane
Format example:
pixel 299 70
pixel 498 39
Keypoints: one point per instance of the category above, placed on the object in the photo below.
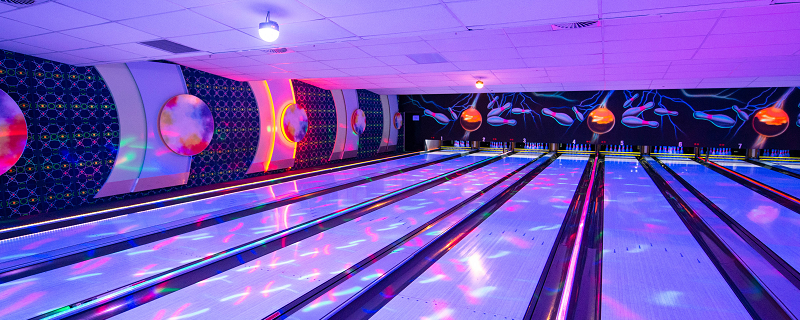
pixel 281 277
pixel 107 229
pixel 773 224
pixel 652 266
pixel 493 272
pixel 60 287
pixel 777 180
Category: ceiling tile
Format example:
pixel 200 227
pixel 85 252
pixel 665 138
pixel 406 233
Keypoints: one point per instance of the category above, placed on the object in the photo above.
pixel 396 60
pixel 638 76
pixel 175 24
pixel 235 62
pixel 370 71
pixel 751 39
pixel 546 38
pixel 771 50
pixel 623 69
pixel 656 18
pixel 14 29
pixel 561 50
pixel 53 16
pixel 433 67
pixel 483 54
pixel 282 58
pixel 643 5
pixel 321 74
pixel 142 50
pixel 249 13
pixel 354 63
pixel 197 64
pixel 197 3
pixel 66 58
pixel 323 46
pixel 564 61
pixel 489 12
pixel 58 42
pixel 763 72
pixel 775 22
pixel 659 30
pixel 398 49
pixel 5 7
pixel 543 87
pixel 568 71
pixel 630 57
pixel 336 54
pixel 118 10
pixel 762 10
pixel 308 31
pixel 355 7
pixel 105 54
pixel 696 74
pixel 219 41
pixel 471 42
pixel 110 34
pixel 399 21
pixel 22 48
pixel 674 84
pixel 645 45
pixel 302 66
pixel 491 64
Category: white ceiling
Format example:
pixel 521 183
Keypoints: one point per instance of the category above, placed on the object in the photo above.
pixel 364 44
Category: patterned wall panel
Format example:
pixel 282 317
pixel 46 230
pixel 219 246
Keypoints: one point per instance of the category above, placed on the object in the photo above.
pixel 236 128
pixel 72 135
pixel 370 140
pixel 316 147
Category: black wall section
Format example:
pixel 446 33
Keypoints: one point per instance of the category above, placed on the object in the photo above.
pixel 733 118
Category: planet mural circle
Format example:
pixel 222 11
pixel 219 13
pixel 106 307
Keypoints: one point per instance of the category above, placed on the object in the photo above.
pixel 601 120
pixel 770 122
pixel 471 119
pixel 13 132
pixel 295 123
pixel 398 120
pixel 186 125
pixel 358 120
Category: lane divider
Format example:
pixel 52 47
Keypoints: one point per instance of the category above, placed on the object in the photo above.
pixel 322 289
pixel 776 195
pixel 135 294
pixel 779 168
pixel 45 262
pixel 15 231
pixel 379 293
pixel 751 293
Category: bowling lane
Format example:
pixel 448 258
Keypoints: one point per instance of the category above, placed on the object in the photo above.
pixel 773 224
pixel 652 266
pixel 774 179
pixel 493 272
pixel 259 288
pixel 111 230
pixel 786 165
pixel 69 284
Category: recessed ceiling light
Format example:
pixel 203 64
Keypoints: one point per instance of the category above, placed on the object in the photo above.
pixel 268 31
pixel 479 84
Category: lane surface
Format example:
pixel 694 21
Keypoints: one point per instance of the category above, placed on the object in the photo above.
pixel 652 266
pixel 30 296
pixel 777 227
pixel 258 288
pixel 111 230
pixel 777 180
pixel 493 272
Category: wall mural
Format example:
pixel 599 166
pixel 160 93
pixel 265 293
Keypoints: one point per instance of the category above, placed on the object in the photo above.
pixel 316 147
pixel 359 121
pixel 734 118
pixel 397 121
pixel 13 132
pixel 186 125
pixel 295 123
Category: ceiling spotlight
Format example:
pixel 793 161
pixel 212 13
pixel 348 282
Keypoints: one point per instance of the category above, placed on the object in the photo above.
pixel 268 31
pixel 479 84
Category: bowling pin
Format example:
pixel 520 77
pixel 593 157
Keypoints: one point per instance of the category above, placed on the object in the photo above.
pixel 632 112
pixel 562 118
pixel 578 114
pixel 742 115
pixel 498 121
pixel 498 111
pixel 440 118
pixel 720 120
pixel 665 112
pixel 491 103
pixel 519 111
pixel 453 114
pixel 629 101
pixel 635 122
pixel 798 120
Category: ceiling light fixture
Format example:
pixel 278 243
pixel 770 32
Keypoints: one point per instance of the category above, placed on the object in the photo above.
pixel 268 31
pixel 479 84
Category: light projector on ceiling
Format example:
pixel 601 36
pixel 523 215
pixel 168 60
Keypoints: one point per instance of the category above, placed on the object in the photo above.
pixel 268 31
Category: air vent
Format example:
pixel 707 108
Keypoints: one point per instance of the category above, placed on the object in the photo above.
pixel 575 25
pixel 23 3
pixel 426 58
pixel 276 50
pixel 168 46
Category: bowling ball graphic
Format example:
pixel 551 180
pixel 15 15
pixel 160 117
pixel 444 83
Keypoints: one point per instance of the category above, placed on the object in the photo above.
pixel 471 119
pixel 398 120
pixel 186 125
pixel 13 132
pixel 358 120
pixel 770 122
pixel 601 120
pixel 295 123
